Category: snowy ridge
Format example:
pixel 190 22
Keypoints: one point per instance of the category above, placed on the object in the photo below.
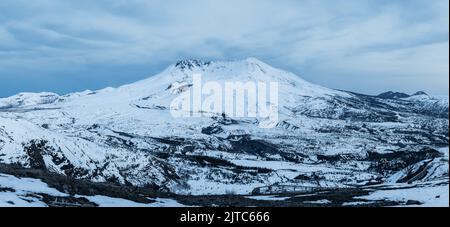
pixel 28 100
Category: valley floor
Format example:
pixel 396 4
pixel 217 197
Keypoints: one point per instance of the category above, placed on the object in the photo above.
pixel 27 188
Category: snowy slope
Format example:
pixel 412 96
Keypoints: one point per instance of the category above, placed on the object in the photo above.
pixel 28 192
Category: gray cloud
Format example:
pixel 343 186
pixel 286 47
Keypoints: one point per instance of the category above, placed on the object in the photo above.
pixel 366 46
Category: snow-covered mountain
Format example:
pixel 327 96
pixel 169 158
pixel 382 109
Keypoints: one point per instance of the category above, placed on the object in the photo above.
pixel 325 138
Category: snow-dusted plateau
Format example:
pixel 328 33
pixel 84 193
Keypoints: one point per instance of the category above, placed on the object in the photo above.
pixel 121 146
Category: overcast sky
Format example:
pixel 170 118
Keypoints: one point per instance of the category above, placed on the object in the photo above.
pixel 365 46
